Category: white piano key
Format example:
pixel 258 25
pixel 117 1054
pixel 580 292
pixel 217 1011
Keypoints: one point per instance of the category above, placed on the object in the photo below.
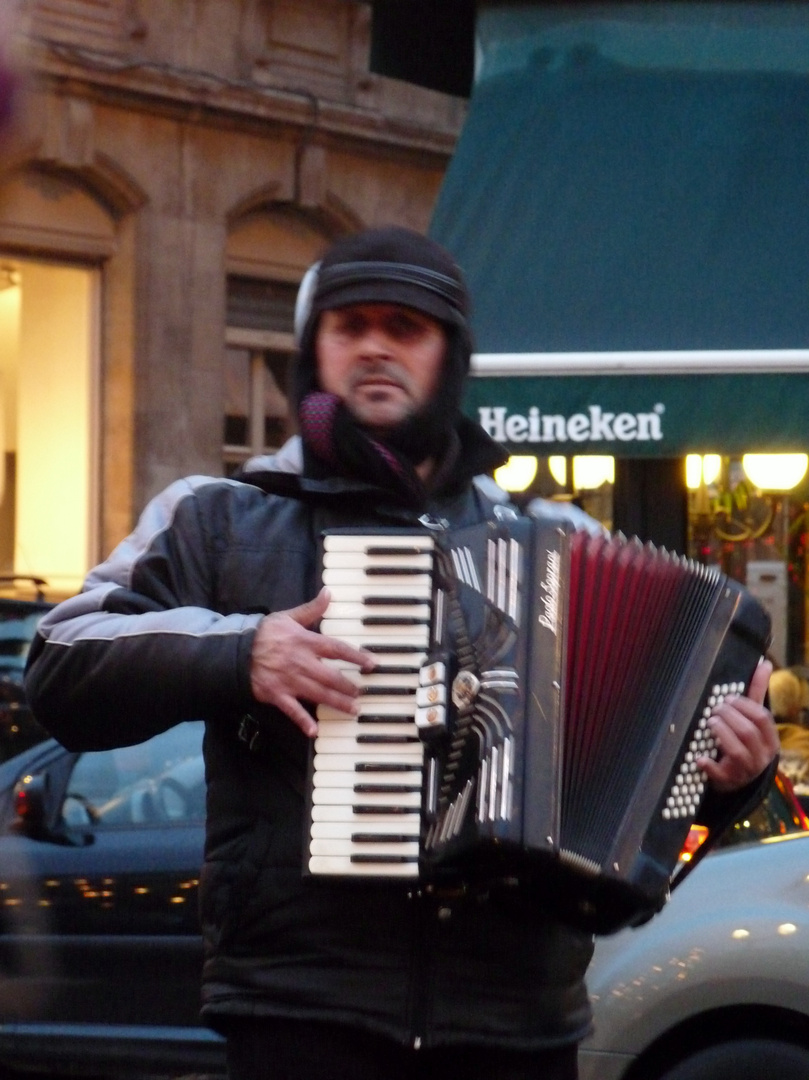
pixel 361 581
pixel 340 846
pixel 396 787
pixel 407 817
pixel 405 702
pixel 410 633
pixel 364 612
pixel 347 797
pixel 329 749
pixel 355 780
pixel 372 590
pixel 374 697
pixel 324 830
pixel 415 564
pixel 390 666
pixel 402 707
pixel 346 762
pixel 350 729
pixel 341 866
pixel 351 541
pixel 387 631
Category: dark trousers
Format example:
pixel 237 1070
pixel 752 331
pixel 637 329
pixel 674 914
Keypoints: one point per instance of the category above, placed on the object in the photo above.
pixel 272 1049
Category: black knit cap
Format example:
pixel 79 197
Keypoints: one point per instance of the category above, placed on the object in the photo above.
pixel 387 265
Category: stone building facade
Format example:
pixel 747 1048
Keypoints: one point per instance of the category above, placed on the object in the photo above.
pixel 178 166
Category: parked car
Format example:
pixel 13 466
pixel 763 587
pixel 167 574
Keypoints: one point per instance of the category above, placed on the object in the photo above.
pixel 716 987
pixel 18 623
pixel 100 953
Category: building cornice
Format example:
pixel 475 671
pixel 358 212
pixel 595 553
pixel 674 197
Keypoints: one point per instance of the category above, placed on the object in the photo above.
pixel 209 100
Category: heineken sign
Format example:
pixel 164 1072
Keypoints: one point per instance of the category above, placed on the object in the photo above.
pixel 643 415
pixel 595 425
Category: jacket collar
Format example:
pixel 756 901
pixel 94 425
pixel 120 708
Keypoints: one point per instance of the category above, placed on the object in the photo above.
pixel 473 453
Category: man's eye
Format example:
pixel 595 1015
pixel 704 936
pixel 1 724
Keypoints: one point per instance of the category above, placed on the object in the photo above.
pixel 352 324
pixel 403 326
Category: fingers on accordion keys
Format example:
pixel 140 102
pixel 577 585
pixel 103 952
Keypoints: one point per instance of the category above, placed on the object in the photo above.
pixel 689 785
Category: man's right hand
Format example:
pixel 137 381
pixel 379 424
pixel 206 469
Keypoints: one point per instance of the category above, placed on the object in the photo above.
pixel 287 664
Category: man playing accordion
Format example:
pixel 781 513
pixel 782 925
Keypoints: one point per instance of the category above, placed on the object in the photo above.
pixel 211 609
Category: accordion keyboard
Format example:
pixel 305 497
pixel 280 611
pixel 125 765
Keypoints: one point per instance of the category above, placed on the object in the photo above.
pixel 367 769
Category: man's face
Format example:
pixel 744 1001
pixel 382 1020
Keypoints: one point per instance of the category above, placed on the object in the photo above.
pixel 383 360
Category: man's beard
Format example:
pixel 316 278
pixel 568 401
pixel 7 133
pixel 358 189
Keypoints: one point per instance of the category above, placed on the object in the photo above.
pixel 422 435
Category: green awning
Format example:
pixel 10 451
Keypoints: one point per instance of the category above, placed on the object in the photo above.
pixel 644 415
pixel 634 178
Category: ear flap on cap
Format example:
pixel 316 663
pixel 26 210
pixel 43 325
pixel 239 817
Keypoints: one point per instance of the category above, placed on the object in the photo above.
pixel 303 301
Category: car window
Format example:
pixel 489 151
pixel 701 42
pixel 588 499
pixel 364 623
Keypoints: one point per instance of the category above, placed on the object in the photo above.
pixel 18 624
pixel 18 728
pixel 158 781
pixel 777 815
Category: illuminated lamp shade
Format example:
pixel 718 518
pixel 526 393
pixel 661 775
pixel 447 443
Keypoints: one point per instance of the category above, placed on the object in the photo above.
pixel 557 466
pixel 701 470
pixel 589 471
pixel 592 471
pixel 775 472
pixel 517 473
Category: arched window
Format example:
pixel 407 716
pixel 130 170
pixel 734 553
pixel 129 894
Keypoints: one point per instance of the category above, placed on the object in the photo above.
pixel 268 252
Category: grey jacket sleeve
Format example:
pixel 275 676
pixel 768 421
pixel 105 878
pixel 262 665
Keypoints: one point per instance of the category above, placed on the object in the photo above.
pixel 141 648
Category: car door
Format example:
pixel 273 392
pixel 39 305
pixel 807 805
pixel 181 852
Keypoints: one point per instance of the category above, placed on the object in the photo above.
pixel 103 924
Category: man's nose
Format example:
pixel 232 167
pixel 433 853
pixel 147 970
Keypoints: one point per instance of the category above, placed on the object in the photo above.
pixel 374 343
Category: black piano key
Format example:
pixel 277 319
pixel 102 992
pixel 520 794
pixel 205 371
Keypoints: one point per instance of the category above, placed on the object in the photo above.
pixel 389 789
pixel 387 691
pixel 415 549
pixel 399 739
pixel 392 648
pixel 387 766
pixel 369 858
pixel 374 718
pixel 364 808
pixel 393 620
pixel 395 670
pixel 393 601
pixel 382 838
pixel 395 571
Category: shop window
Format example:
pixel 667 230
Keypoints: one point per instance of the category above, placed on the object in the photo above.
pixel 48 345
pixel 259 346
pixel 586 481
pixel 754 525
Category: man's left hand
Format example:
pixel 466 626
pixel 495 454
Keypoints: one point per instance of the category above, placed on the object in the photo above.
pixel 746 735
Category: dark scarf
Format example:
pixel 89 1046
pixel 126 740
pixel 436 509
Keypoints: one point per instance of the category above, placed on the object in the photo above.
pixel 333 442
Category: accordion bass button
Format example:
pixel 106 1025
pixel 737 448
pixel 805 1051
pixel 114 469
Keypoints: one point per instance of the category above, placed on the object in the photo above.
pixel 432 718
pixel 435 672
pixel 429 696
pixel 465 689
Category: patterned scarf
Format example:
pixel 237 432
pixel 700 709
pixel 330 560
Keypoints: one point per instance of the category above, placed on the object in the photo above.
pixel 334 443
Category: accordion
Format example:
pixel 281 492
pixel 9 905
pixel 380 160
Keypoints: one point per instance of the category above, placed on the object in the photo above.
pixel 540 701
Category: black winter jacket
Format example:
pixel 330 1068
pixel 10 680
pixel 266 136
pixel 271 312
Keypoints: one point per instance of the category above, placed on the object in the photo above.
pixel 161 633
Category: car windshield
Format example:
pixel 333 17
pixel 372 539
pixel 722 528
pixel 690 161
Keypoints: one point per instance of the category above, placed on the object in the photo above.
pixel 161 780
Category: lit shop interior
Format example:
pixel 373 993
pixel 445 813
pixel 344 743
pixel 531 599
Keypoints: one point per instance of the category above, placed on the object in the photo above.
pixel 747 514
